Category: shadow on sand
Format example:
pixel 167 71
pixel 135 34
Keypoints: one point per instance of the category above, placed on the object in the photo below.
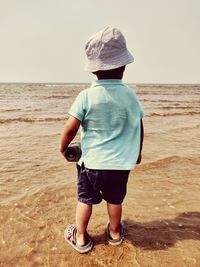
pixel 160 234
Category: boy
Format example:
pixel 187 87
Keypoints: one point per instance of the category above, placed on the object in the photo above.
pixel 111 137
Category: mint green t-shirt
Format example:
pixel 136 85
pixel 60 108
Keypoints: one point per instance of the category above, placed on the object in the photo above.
pixel 110 115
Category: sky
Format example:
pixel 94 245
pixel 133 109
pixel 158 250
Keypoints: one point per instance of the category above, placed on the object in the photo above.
pixel 43 40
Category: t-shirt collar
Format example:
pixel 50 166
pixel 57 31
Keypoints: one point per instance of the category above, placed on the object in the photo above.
pixel 107 81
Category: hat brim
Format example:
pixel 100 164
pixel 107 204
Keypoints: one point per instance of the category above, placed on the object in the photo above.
pixel 124 58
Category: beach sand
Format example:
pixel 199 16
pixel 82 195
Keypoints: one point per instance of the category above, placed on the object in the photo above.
pixel 38 186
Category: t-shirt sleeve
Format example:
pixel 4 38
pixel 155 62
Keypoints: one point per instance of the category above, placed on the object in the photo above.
pixel 78 108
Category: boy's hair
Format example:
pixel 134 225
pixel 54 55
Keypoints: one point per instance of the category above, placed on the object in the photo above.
pixel 110 74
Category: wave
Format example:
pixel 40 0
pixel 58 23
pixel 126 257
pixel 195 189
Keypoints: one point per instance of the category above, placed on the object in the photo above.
pixel 59 97
pixel 179 107
pixel 21 109
pixel 169 160
pixel 157 101
pixel 51 119
pixel 170 101
pixel 154 114
pixel 160 93
pixel 11 109
pixel 188 128
pixel 4 121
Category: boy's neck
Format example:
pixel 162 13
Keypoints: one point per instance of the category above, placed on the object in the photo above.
pixel 114 74
pixel 109 78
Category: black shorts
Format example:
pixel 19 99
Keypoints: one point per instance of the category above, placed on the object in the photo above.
pixel 95 185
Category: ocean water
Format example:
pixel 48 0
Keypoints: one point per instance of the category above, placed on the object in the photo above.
pixel 35 102
pixel 32 117
pixel 38 186
pixel 50 102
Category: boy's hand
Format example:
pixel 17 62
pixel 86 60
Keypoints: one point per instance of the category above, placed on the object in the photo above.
pixel 141 142
pixel 70 129
pixel 139 159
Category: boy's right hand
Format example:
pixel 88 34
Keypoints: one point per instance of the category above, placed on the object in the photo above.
pixel 70 129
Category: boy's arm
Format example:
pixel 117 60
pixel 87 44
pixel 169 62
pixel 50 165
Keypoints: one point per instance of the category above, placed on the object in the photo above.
pixel 69 132
pixel 141 142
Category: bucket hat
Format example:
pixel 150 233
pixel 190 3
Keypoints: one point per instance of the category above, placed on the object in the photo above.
pixel 107 50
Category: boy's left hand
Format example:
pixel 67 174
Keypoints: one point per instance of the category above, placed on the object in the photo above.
pixel 139 159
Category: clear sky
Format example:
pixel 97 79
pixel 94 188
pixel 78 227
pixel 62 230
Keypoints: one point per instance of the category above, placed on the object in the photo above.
pixel 43 40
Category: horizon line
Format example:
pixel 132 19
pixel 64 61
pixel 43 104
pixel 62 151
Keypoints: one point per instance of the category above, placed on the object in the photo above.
pixel 135 83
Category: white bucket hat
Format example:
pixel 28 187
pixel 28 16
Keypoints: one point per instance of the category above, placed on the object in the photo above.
pixel 107 50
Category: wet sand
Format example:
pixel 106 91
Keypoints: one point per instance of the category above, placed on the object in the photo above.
pixel 38 187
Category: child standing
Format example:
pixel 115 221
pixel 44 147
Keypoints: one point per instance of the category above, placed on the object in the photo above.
pixel 110 116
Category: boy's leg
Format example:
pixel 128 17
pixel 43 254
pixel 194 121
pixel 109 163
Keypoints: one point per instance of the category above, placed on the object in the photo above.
pixel 83 213
pixel 114 213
